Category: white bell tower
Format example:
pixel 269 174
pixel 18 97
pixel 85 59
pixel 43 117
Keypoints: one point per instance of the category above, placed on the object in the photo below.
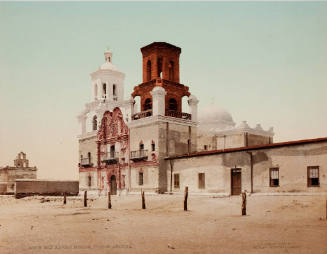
pixel 108 81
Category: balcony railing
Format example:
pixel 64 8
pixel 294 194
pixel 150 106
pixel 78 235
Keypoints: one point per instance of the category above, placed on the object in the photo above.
pixel 110 158
pixel 178 114
pixel 86 162
pixel 142 114
pixel 139 155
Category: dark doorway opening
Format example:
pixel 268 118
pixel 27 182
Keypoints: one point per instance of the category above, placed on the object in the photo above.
pixel 236 181
pixel 113 185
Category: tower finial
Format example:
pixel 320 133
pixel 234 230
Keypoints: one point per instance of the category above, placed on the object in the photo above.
pixel 107 54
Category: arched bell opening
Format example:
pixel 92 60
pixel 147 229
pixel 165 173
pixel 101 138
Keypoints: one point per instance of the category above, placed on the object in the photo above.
pixel 147 104
pixel 178 108
pixel 104 90
pixel 95 123
pixel 159 66
pixel 172 104
pixel 148 70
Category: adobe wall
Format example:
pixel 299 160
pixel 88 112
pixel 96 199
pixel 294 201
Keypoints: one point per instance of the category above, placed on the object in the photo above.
pixel 292 162
pixel 253 140
pixel 217 169
pixel 84 180
pixel 230 140
pixel 44 187
pixel 145 133
pixel 150 178
pixel 177 139
pixel 88 145
pixel 206 139
pixel 175 142
pixel 8 175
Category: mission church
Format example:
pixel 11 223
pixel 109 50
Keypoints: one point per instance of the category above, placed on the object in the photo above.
pixel 152 142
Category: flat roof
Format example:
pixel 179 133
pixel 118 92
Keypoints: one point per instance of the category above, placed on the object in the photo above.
pixel 247 148
pixel 161 44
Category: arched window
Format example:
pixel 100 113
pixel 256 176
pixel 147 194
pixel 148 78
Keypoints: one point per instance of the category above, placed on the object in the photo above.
pixel 148 104
pixel 159 65
pixel 114 92
pixel 89 183
pixel 95 123
pixel 171 70
pixel 89 156
pixel 104 89
pixel 148 70
pixel 141 178
pixel 172 104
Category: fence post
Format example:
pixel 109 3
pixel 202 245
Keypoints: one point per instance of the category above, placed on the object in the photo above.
pixel 65 198
pixel 143 200
pixel 85 198
pixel 185 198
pixel 109 200
pixel 243 203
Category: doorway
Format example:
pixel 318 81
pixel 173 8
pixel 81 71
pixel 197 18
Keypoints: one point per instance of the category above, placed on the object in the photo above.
pixel 113 185
pixel 236 181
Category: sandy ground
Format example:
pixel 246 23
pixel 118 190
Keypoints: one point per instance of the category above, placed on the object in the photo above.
pixel 274 224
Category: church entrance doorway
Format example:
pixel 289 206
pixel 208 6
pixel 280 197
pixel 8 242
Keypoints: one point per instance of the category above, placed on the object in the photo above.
pixel 113 185
pixel 236 181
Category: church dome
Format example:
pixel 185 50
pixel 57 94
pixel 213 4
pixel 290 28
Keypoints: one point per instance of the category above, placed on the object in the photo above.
pixel 108 66
pixel 214 118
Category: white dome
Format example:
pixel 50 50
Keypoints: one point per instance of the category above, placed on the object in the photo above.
pixel 214 118
pixel 109 66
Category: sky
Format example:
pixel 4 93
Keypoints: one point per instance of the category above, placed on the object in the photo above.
pixel 264 62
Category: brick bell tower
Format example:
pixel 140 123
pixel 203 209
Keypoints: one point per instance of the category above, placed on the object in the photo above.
pixel 159 127
pixel 161 68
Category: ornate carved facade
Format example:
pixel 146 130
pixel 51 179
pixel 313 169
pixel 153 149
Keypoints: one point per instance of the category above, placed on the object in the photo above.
pixel 112 151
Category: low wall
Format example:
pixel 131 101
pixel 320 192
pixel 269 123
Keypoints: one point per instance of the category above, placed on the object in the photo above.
pixel 28 187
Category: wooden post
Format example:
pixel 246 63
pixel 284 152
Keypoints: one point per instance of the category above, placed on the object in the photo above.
pixel 326 209
pixel 243 203
pixel 65 198
pixel 185 198
pixel 109 200
pixel 85 198
pixel 143 200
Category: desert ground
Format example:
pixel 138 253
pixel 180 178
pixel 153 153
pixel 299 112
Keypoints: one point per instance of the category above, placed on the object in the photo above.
pixel 273 224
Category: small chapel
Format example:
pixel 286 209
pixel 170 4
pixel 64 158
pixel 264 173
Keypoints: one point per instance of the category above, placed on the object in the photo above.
pixel 20 170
